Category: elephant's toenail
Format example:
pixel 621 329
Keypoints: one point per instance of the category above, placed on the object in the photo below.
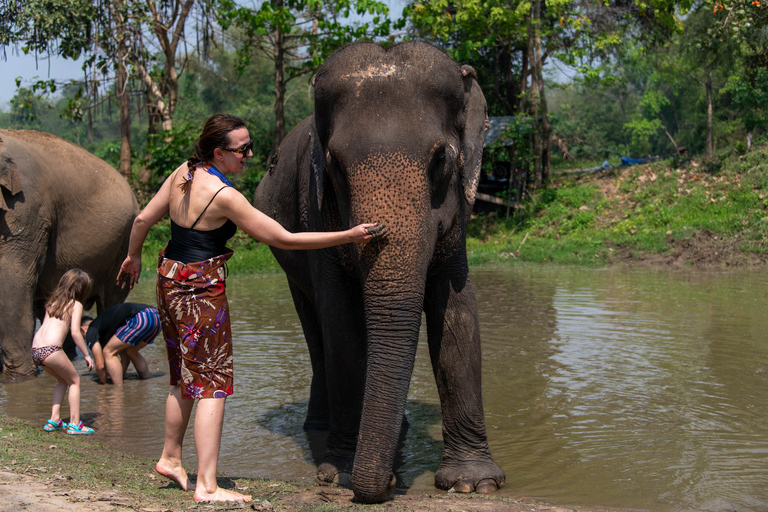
pixel 486 486
pixel 462 487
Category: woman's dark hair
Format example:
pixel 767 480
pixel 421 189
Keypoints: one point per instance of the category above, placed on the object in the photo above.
pixel 215 135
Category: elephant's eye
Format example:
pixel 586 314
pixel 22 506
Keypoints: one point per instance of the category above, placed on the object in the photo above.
pixel 439 177
pixel 437 168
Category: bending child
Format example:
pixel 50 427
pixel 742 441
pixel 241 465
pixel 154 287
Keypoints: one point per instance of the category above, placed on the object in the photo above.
pixel 62 314
pixel 116 337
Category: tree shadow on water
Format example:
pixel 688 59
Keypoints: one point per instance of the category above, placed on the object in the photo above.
pixel 418 452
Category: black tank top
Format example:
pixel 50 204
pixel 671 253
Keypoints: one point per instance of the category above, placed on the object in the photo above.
pixel 188 245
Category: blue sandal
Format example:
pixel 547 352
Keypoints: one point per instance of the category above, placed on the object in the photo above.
pixel 79 429
pixel 50 426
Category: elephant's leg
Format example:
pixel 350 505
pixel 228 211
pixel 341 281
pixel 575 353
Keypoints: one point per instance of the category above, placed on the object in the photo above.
pixel 344 349
pixel 454 346
pixel 17 324
pixel 317 411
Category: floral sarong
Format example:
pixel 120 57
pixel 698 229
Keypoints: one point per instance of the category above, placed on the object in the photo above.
pixel 194 314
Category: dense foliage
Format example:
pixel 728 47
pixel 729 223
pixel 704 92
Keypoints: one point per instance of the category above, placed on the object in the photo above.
pixel 658 78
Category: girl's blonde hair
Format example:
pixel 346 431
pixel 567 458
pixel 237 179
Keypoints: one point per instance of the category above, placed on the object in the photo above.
pixel 74 285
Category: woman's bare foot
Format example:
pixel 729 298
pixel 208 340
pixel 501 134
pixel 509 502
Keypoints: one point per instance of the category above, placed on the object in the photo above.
pixel 175 473
pixel 219 495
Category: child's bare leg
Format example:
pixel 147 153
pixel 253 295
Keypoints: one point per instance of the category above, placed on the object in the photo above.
pixel 113 363
pixel 177 412
pixel 58 394
pixel 209 421
pixel 124 362
pixel 142 368
pixel 59 364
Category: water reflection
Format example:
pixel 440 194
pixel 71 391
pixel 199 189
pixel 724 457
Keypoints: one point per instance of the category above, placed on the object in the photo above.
pixel 633 389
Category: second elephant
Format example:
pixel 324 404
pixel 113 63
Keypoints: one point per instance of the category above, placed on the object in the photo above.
pixel 60 208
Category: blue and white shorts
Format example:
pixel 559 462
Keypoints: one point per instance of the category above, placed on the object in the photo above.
pixel 141 327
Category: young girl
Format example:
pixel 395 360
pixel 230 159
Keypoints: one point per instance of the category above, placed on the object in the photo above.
pixel 62 313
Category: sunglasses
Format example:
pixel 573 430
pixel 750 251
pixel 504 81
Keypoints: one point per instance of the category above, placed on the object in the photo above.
pixel 243 150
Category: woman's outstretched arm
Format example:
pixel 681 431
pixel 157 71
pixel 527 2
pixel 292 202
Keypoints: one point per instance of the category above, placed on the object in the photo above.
pixel 265 229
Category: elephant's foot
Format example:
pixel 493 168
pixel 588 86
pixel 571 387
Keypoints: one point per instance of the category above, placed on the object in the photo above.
pixel 480 477
pixel 336 469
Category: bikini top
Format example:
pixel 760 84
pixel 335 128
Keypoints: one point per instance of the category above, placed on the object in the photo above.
pixel 188 245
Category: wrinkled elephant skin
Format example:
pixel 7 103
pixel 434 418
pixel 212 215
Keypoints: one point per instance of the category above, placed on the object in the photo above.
pixel 396 138
pixel 60 208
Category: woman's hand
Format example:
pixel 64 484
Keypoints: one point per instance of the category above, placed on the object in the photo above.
pixel 129 272
pixel 364 233
pixel 89 362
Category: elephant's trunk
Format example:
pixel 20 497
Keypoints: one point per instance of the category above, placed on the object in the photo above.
pixel 394 275
pixel 393 329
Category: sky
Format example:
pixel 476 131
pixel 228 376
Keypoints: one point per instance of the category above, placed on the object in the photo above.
pixel 20 65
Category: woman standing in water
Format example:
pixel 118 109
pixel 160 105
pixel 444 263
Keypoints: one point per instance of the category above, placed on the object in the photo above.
pixel 205 212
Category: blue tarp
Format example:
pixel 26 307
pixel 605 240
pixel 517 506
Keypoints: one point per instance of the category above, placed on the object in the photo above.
pixel 626 161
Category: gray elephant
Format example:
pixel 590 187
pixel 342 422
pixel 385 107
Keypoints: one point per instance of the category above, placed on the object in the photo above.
pixel 396 137
pixel 61 207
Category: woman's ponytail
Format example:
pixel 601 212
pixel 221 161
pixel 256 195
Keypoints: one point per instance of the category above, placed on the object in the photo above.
pixel 186 184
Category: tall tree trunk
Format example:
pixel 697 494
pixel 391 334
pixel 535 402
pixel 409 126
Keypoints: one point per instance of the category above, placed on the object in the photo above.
pixel 545 127
pixel 279 53
pixel 508 77
pixel 122 88
pixel 534 98
pixel 164 95
pixel 153 128
pixel 708 87
pixel 521 107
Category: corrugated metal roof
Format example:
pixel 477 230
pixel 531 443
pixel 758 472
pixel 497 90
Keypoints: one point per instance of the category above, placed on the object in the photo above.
pixel 497 125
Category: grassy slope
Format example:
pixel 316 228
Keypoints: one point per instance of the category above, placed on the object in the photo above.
pixel 697 212
pixel 709 212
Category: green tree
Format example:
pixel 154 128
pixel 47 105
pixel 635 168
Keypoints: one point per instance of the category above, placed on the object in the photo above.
pixel 743 21
pixel 748 89
pixel 516 40
pixel 298 35
pixel 121 39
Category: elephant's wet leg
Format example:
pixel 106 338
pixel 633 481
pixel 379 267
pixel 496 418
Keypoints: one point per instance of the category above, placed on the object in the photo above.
pixel 317 411
pixel 17 324
pixel 344 335
pixel 454 346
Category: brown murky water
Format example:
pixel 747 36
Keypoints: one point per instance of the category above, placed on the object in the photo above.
pixel 634 389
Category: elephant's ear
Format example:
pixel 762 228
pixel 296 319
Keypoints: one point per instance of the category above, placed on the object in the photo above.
pixel 9 176
pixel 317 162
pixel 474 133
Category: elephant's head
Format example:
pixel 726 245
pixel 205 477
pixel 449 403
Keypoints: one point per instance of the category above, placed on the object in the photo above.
pixel 397 139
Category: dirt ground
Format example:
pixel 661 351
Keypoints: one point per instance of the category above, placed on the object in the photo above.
pixel 34 494
pixel 25 493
